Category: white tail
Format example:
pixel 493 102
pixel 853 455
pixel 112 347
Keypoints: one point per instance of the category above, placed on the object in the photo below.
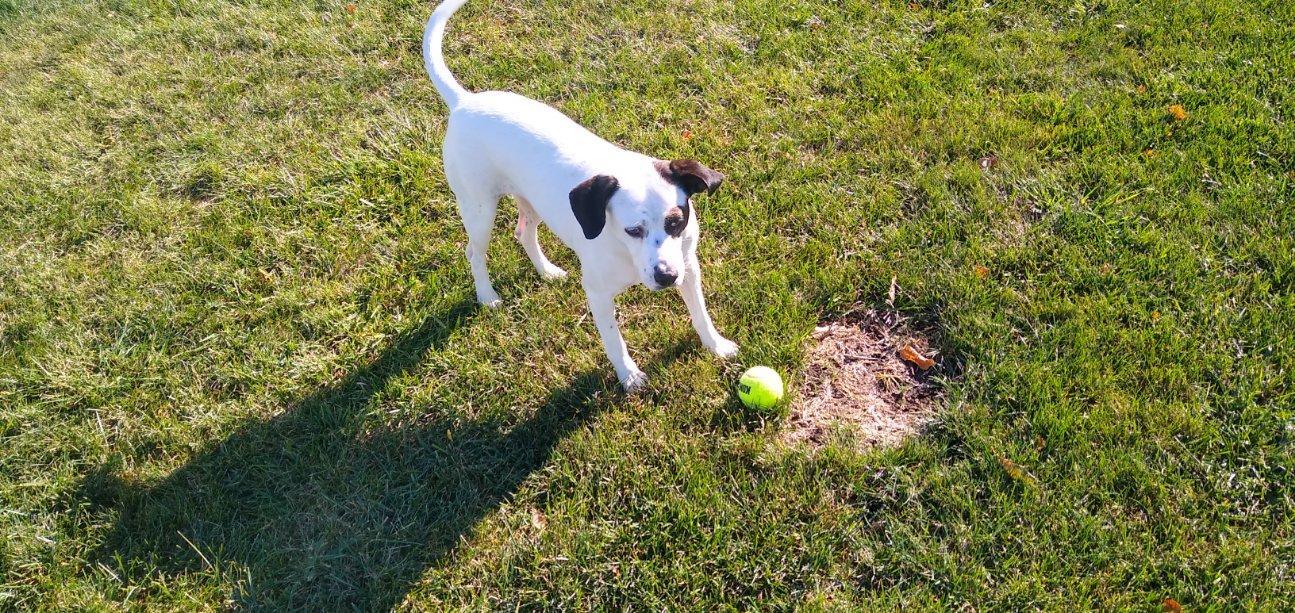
pixel 434 59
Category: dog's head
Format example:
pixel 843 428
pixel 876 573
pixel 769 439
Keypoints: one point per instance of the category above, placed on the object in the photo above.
pixel 650 215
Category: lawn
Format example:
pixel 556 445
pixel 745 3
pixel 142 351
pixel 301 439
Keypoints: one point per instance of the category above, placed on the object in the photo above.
pixel 240 366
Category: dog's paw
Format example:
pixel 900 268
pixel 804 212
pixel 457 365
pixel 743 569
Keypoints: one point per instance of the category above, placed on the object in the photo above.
pixel 553 274
pixel 724 348
pixel 634 381
pixel 490 300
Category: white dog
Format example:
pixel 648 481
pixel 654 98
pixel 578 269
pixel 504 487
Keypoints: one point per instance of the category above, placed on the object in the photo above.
pixel 627 216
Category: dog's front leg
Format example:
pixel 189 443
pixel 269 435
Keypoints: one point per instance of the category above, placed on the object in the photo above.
pixel 701 321
pixel 602 304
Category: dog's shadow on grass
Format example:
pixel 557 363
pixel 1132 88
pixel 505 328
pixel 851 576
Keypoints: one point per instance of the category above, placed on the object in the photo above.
pixel 325 507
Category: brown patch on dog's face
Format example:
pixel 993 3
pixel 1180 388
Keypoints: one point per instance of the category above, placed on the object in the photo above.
pixel 676 221
pixel 692 178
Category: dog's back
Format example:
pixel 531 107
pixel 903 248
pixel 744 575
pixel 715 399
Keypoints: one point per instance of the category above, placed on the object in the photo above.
pixel 495 137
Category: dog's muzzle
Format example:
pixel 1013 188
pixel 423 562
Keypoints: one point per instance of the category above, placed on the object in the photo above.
pixel 665 276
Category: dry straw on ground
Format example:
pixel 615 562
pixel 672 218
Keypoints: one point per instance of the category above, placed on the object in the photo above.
pixel 857 383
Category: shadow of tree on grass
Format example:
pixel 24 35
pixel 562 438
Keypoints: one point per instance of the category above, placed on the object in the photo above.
pixel 323 509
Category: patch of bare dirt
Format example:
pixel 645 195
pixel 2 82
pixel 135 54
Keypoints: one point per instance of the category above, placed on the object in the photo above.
pixel 869 375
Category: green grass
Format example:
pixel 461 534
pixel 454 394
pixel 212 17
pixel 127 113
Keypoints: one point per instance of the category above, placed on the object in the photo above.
pixel 240 367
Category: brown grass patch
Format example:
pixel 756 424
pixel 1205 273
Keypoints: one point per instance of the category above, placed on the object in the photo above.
pixel 856 382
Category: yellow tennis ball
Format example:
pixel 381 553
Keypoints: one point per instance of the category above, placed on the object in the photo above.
pixel 760 388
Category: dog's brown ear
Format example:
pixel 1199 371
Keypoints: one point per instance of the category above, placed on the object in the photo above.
pixel 589 203
pixel 691 176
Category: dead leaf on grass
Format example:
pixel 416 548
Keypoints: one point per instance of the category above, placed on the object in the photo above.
pixel 1016 472
pixel 912 356
pixel 538 521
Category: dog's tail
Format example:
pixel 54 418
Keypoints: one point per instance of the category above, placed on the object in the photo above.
pixel 434 60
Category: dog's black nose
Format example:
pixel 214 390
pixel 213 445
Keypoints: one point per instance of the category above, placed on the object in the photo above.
pixel 665 276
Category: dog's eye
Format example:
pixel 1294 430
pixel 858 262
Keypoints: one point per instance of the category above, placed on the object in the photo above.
pixel 635 232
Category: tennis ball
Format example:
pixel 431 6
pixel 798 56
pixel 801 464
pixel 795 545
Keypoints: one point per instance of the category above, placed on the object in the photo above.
pixel 760 388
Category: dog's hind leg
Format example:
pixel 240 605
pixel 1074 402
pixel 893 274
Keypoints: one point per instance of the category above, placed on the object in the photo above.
pixel 528 224
pixel 477 207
